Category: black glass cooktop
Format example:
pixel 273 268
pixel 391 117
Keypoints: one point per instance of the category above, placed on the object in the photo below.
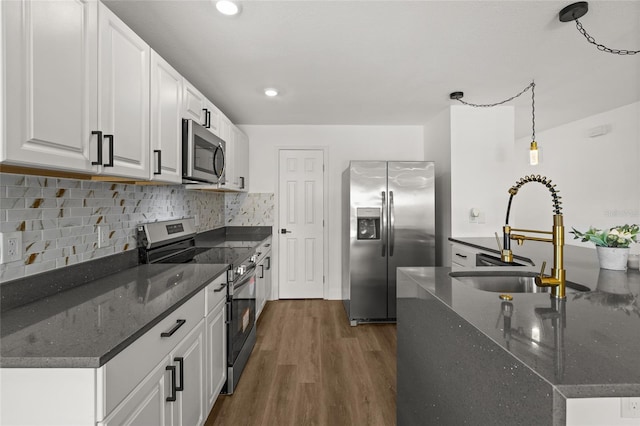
pixel 233 256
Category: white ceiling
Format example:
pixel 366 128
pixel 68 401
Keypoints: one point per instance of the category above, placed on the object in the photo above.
pixel 394 62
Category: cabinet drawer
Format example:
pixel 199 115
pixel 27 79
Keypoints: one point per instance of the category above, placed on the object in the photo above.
pixel 214 293
pixel 123 373
pixel 463 256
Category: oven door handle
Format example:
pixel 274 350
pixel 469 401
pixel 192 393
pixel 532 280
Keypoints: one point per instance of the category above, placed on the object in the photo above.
pixel 245 278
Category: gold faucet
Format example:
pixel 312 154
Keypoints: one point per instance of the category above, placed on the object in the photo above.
pixel 557 279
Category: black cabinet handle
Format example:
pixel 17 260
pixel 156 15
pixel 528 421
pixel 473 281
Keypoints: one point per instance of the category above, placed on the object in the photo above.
pixel 159 156
pixel 99 139
pixel 172 396
pixel 207 116
pixel 179 323
pixel 268 262
pixel 208 119
pixel 241 182
pixel 180 360
pixel 110 139
pixel 219 289
pixel 261 271
pixel 461 255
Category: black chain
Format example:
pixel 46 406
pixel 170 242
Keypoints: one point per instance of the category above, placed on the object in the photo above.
pixel 533 106
pixel 533 111
pixel 602 47
pixel 497 103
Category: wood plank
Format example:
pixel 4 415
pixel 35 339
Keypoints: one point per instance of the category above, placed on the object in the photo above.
pixel 310 367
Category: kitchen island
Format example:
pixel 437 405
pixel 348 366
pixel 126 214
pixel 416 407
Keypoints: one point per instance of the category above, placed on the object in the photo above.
pixel 467 357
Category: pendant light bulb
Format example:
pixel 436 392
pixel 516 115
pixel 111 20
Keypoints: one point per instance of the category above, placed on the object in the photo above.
pixel 533 153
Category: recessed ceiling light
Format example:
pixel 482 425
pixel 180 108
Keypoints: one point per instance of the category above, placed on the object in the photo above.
pixel 227 7
pixel 271 92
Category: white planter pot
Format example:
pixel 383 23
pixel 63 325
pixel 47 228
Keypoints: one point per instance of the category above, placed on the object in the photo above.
pixel 613 258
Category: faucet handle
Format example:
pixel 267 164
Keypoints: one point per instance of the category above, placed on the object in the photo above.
pixel 544 265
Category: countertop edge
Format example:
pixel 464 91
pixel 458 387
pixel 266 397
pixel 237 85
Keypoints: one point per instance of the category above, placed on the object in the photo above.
pixel 568 391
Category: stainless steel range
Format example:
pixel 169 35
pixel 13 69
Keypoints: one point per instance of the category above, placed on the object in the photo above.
pixel 174 242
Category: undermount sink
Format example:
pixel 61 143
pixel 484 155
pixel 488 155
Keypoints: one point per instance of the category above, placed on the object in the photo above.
pixel 507 281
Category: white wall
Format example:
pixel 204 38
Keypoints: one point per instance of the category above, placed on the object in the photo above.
pixel 437 147
pixel 481 168
pixel 598 177
pixel 342 143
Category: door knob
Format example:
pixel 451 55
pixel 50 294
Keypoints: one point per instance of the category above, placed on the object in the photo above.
pixel 284 231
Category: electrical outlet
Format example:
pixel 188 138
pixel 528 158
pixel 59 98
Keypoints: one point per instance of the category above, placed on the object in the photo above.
pixel 103 236
pixel 630 408
pixel 10 247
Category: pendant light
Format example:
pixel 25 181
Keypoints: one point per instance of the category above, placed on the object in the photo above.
pixel 534 153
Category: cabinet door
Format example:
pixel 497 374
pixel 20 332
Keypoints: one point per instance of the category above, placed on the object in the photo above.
pixel 193 103
pixel 242 160
pixel 166 119
pixel 261 291
pixel 188 358
pixel 147 404
pixel 123 97
pixel 213 118
pixel 216 352
pixel 50 83
pixel 267 277
pixel 226 134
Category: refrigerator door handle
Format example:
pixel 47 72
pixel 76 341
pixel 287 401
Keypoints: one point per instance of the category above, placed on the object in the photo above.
pixel 392 224
pixel 384 224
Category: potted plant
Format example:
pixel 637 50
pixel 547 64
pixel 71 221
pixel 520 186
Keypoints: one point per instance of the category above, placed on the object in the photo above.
pixel 612 245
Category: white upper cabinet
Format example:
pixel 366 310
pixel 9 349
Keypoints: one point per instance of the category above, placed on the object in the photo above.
pixel 194 103
pixel 242 159
pixel 237 157
pixel 200 109
pixel 166 118
pixel 50 82
pixel 123 94
pixel 77 79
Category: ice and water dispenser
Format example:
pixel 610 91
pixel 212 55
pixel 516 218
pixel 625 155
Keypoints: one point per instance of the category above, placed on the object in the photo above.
pixel 368 223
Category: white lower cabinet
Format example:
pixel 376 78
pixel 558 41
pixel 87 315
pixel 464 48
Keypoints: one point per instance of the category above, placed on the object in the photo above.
pixel 188 360
pixel 147 404
pixel 171 375
pixel 172 393
pixel 216 366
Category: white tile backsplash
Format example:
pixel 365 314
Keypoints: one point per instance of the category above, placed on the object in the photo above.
pixel 244 209
pixel 59 217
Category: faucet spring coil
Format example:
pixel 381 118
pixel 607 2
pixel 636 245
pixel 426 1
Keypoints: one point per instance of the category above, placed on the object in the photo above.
pixel 557 209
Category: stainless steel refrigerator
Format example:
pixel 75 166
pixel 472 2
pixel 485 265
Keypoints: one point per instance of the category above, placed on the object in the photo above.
pixel 388 222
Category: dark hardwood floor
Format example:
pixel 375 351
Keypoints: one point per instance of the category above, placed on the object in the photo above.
pixel 310 367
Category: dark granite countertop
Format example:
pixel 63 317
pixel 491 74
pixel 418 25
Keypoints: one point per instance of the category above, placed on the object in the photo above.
pixel 590 350
pixel 85 314
pixel 87 325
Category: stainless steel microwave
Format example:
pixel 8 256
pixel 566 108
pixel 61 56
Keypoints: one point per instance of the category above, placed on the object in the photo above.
pixel 203 154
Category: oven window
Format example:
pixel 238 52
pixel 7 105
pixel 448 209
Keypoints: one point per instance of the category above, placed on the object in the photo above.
pixel 243 315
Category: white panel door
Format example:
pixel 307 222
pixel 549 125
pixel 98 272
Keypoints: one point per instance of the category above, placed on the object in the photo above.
pixel 51 92
pixel 123 93
pixel 301 222
pixel 166 121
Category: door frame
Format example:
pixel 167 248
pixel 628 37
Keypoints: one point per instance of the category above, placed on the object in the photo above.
pixel 275 272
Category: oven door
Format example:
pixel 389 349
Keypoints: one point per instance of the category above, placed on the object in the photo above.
pixel 242 312
pixel 203 156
